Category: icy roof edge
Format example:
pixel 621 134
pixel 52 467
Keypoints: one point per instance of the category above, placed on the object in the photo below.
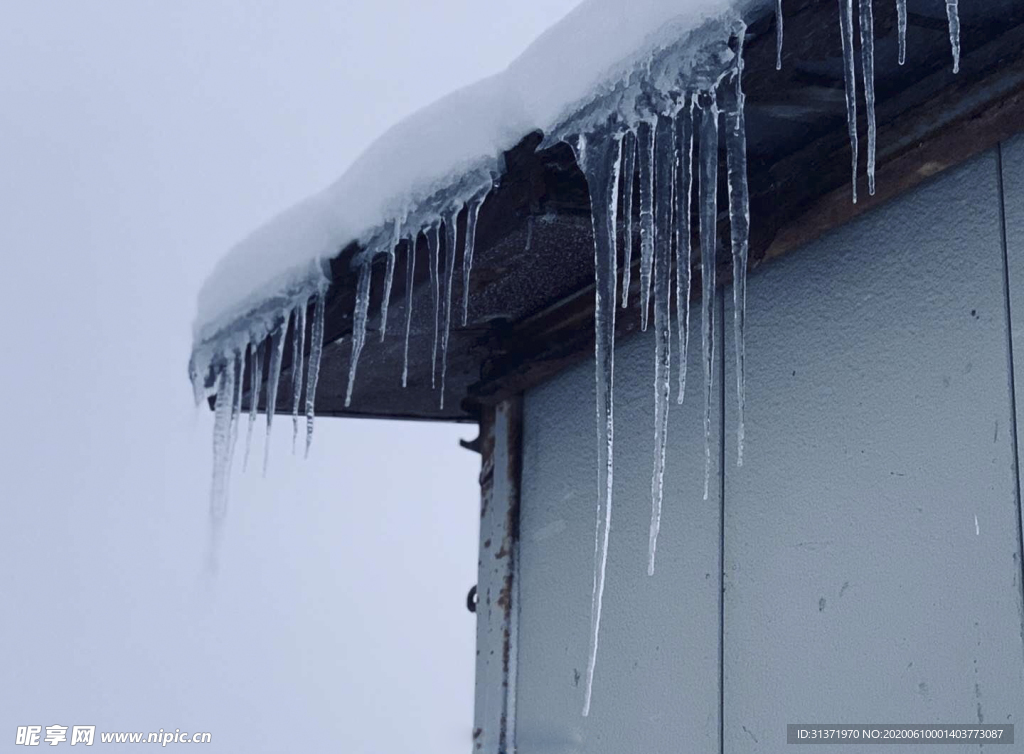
pixel 664 72
pixel 633 90
pixel 442 156
pixel 264 311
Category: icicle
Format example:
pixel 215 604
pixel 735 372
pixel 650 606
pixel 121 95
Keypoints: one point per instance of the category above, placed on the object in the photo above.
pixel 664 165
pixel 645 145
pixel 273 379
pixel 298 353
pixel 602 171
pixel 778 35
pixel 867 52
pixel 850 74
pixel 433 250
pixel 222 420
pixel 684 202
pixel 451 242
pixel 389 279
pixel 256 355
pixel 901 25
pixel 362 307
pixel 708 249
pixel 467 255
pixel 628 168
pixel 316 347
pixel 198 368
pixel 953 14
pixel 225 433
pixel 236 408
pixel 410 274
pixel 739 223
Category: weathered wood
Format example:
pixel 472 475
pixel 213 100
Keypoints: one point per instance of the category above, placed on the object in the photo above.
pixel 965 119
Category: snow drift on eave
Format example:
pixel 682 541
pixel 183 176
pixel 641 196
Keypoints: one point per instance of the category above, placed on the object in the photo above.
pixel 461 135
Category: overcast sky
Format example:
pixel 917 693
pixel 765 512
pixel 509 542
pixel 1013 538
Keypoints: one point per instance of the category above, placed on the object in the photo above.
pixel 138 140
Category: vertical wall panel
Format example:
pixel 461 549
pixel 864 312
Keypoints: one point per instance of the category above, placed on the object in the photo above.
pixel 656 686
pixel 497 587
pixel 871 536
pixel 1012 164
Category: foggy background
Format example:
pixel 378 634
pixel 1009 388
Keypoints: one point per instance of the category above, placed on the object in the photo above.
pixel 138 141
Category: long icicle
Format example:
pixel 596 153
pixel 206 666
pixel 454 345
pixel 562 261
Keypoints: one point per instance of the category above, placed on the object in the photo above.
pixel 601 167
pixel 451 242
pixel 224 428
pixel 739 224
pixel 708 249
pixel 472 216
pixel 276 341
pixel 236 408
pixel 867 53
pixel 778 35
pixel 389 279
pixel 298 360
pixel 664 167
pixel 953 15
pixel 628 171
pixel 433 250
pixel 645 147
pixel 224 447
pixel 684 203
pixel 223 410
pixel 410 274
pixel 850 77
pixel 256 355
pixel 316 347
pixel 901 27
pixel 359 316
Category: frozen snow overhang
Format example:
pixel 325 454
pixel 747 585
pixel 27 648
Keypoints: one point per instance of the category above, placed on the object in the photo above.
pixel 531 297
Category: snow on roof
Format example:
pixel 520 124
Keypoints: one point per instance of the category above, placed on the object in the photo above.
pixel 453 144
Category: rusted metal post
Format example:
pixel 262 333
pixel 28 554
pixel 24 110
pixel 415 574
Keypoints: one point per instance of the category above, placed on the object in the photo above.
pixel 497 583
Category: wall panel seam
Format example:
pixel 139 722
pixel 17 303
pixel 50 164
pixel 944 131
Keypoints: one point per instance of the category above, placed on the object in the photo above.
pixel 721 524
pixel 1012 370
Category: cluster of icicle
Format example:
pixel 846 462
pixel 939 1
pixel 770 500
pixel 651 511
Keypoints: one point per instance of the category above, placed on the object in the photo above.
pixel 442 281
pixel 220 364
pixel 867 51
pixel 659 150
pixel 219 371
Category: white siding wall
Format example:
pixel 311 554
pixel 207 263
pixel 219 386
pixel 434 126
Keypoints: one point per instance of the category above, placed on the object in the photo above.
pixel 657 673
pixel 856 586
